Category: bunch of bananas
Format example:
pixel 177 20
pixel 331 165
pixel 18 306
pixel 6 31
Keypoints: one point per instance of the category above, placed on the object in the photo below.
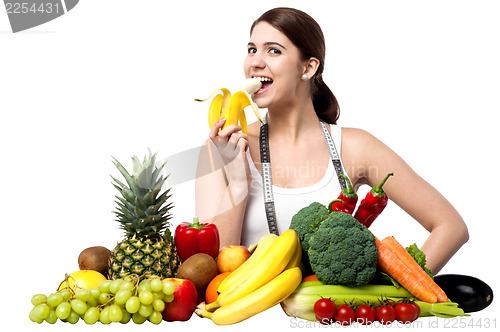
pixel 231 107
pixel 269 276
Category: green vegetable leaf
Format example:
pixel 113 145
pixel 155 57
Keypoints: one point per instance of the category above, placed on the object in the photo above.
pixel 419 257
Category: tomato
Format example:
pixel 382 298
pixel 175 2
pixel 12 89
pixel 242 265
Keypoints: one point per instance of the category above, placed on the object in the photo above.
pixel 405 312
pixel 365 314
pixel 386 314
pixel 417 308
pixel 345 315
pixel 325 310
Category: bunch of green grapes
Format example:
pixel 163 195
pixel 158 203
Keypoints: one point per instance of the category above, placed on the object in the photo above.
pixel 119 300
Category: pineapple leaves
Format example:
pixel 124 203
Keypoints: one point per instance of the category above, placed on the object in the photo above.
pixel 142 210
pixel 126 175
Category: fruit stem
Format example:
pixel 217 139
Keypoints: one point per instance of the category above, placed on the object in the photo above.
pixel 212 306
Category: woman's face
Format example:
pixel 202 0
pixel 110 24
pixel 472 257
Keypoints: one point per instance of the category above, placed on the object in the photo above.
pixel 272 56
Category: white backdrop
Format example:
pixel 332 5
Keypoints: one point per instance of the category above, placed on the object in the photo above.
pixel 116 77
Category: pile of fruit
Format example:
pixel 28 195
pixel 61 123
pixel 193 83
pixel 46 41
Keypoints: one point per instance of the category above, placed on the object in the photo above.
pixel 152 275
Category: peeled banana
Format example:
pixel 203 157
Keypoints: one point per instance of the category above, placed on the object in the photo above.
pixel 231 107
pixel 259 300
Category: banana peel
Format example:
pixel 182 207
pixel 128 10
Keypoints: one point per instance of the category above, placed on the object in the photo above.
pixel 231 106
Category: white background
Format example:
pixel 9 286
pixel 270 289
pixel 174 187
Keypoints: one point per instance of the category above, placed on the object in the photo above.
pixel 116 77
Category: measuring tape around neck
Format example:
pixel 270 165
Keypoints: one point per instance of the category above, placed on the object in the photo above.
pixel 265 162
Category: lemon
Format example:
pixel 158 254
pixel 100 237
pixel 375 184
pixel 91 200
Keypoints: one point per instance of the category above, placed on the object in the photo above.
pixel 87 279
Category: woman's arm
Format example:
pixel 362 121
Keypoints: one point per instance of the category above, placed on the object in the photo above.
pixel 372 160
pixel 223 181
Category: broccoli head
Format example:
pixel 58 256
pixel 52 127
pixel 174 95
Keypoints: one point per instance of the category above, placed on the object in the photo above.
pixel 342 251
pixel 307 221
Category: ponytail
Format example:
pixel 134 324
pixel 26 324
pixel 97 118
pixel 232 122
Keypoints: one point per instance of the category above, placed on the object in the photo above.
pixel 324 101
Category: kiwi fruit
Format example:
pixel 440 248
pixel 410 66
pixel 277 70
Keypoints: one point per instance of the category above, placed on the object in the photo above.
pixel 200 268
pixel 95 258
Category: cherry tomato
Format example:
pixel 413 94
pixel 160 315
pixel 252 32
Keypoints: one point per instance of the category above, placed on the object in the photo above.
pixel 365 314
pixel 386 314
pixel 325 310
pixel 345 315
pixel 405 312
pixel 417 308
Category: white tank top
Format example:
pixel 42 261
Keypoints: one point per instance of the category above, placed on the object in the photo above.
pixel 287 201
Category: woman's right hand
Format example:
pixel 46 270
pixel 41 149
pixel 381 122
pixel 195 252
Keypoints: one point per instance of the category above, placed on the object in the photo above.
pixel 230 142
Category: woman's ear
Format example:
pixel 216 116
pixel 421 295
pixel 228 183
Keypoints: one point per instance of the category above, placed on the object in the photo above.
pixel 311 67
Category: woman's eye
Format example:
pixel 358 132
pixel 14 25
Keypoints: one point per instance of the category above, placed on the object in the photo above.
pixel 252 50
pixel 274 51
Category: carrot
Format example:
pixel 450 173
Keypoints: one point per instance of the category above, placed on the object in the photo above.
pixel 410 262
pixel 394 267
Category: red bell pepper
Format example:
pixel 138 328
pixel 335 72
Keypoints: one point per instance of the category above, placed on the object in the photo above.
pixel 196 238
pixel 373 204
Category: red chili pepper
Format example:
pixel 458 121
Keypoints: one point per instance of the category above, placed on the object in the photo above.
pixel 346 202
pixel 373 204
pixel 196 238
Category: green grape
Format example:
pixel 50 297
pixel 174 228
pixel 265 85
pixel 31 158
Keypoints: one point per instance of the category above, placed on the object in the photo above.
pixel 115 285
pixel 122 296
pixel 144 285
pixel 92 302
pixel 115 313
pixel 78 306
pixel 104 298
pixel 126 317
pixel 42 311
pixel 34 317
pixel 133 304
pixel 83 294
pixel 104 286
pixel 38 299
pixel 54 300
pixel 104 316
pixel 168 298
pixel 66 293
pixel 138 319
pixel 127 285
pixel 52 318
pixel 95 293
pixel 63 310
pixel 156 285
pixel 145 310
pixel 158 305
pixel 168 287
pixel 155 317
pixel 158 295
pixel 92 315
pixel 146 297
pixel 73 318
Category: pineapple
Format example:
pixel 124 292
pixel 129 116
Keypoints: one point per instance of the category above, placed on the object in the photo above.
pixel 148 247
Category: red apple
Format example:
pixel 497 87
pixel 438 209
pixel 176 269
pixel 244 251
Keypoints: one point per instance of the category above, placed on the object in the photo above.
pixel 231 257
pixel 184 303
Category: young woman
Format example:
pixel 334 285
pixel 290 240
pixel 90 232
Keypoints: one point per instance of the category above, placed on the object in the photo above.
pixel 286 51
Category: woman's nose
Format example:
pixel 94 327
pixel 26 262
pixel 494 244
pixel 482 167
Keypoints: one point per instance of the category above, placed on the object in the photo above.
pixel 256 60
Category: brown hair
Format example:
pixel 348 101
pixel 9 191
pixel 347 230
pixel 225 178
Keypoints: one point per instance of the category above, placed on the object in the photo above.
pixel 305 33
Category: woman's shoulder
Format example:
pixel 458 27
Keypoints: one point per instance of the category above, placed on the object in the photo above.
pixel 357 137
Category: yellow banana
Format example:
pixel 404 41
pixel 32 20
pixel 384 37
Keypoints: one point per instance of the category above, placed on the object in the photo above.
pixel 232 107
pixel 297 257
pixel 257 301
pixel 272 263
pixel 242 272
